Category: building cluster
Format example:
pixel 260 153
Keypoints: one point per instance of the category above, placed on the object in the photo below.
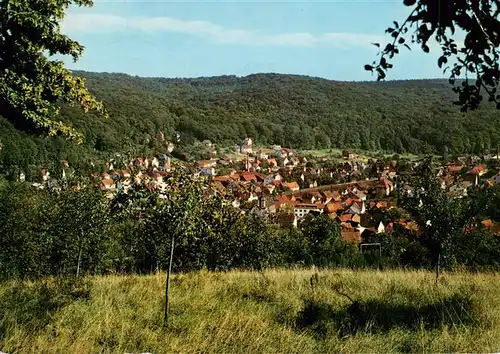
pixel 287 187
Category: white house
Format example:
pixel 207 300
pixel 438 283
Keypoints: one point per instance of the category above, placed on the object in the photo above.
pixel 247 146
pixel 210 171
pixel 301 210
pixel 496 178
pixel 380 228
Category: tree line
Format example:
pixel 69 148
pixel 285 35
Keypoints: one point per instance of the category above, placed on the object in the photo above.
pixel 414 116
pixel 77 231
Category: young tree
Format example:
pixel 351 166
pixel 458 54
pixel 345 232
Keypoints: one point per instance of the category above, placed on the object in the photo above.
pixel 31 85
pixel 325 245
pixel 78 232
pixel 440 20
pixel 439 216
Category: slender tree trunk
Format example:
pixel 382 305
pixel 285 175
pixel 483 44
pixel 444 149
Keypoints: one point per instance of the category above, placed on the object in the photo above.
pixel 167 287
pixel 79 261
pixel 438 265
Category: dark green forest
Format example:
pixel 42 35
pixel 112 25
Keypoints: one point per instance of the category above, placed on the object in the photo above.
pixel 416 116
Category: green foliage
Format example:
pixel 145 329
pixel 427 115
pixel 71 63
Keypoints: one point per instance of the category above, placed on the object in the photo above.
pixel 440 218
pixel 77 233
pixel 64 231
pixel 325 246
pixel 295 111
pixel 438 20
pixel 52 232
pixel 477 250
pixel 31 85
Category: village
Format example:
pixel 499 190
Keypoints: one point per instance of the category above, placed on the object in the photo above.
pixel 285 187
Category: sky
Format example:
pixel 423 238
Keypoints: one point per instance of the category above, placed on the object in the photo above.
pixel 162 38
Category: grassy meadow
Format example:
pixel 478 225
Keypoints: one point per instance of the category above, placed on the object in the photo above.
pixel 275 311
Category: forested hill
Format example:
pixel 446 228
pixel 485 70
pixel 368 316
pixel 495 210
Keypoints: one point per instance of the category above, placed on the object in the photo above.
pixel 295 111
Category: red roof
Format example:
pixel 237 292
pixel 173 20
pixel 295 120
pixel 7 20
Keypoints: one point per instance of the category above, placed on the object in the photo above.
pixel 248 176
pixel 478 169
pixel 317 206
pixel 345 217
pixel 455 168
pixel 108 182
pixel 222 178
pixel 333 207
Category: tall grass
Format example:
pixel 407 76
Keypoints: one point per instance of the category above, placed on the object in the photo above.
pixel 275 311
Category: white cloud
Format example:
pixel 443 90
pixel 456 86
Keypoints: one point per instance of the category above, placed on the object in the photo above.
pixel 213 32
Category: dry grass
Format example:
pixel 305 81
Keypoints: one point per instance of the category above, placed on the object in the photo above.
pixel 265 312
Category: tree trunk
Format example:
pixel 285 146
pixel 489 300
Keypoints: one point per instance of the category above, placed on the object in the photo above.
pixel 79 261
pixel 438 265
pixel 167 287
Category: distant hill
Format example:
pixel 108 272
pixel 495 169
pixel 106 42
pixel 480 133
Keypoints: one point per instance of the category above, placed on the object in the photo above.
pixel 296 111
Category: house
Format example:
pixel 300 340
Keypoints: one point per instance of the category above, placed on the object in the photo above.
pixel 293 186
pixel 496 178
pixel 491 226
pixel 357 208
pixel 45 174
pixel 270 188
pixel 207 171
pixel 302 209
pixel 108 184
pixel 236 203
pixel 247 146
pixel 207 163
pixel 155 163
pixel 380 228
pixel 360 195
pixel 248 176
pixel 109 165
pixel 125 174
pixel 454 169
pixel 272 162
pixel 333 207
pixel 336 196
pixel 283 153
pixel 268 179
pixel 478 170
pixel 249 197
pixel 294 161
pixel 263 156
pixel 170 147
pixel 356 219
pixel 384 187
pixel 472 178
pixel 283 202
pixel 345 218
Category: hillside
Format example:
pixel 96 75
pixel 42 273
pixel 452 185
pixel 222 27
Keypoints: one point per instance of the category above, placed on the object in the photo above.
pixel 297 111
pixel 275 311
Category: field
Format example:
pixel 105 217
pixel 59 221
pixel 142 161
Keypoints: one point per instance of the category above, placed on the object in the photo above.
pixel 336 154
pixel 275 311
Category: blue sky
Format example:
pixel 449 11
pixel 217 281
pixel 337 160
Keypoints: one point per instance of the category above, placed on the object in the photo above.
pixel 329 39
